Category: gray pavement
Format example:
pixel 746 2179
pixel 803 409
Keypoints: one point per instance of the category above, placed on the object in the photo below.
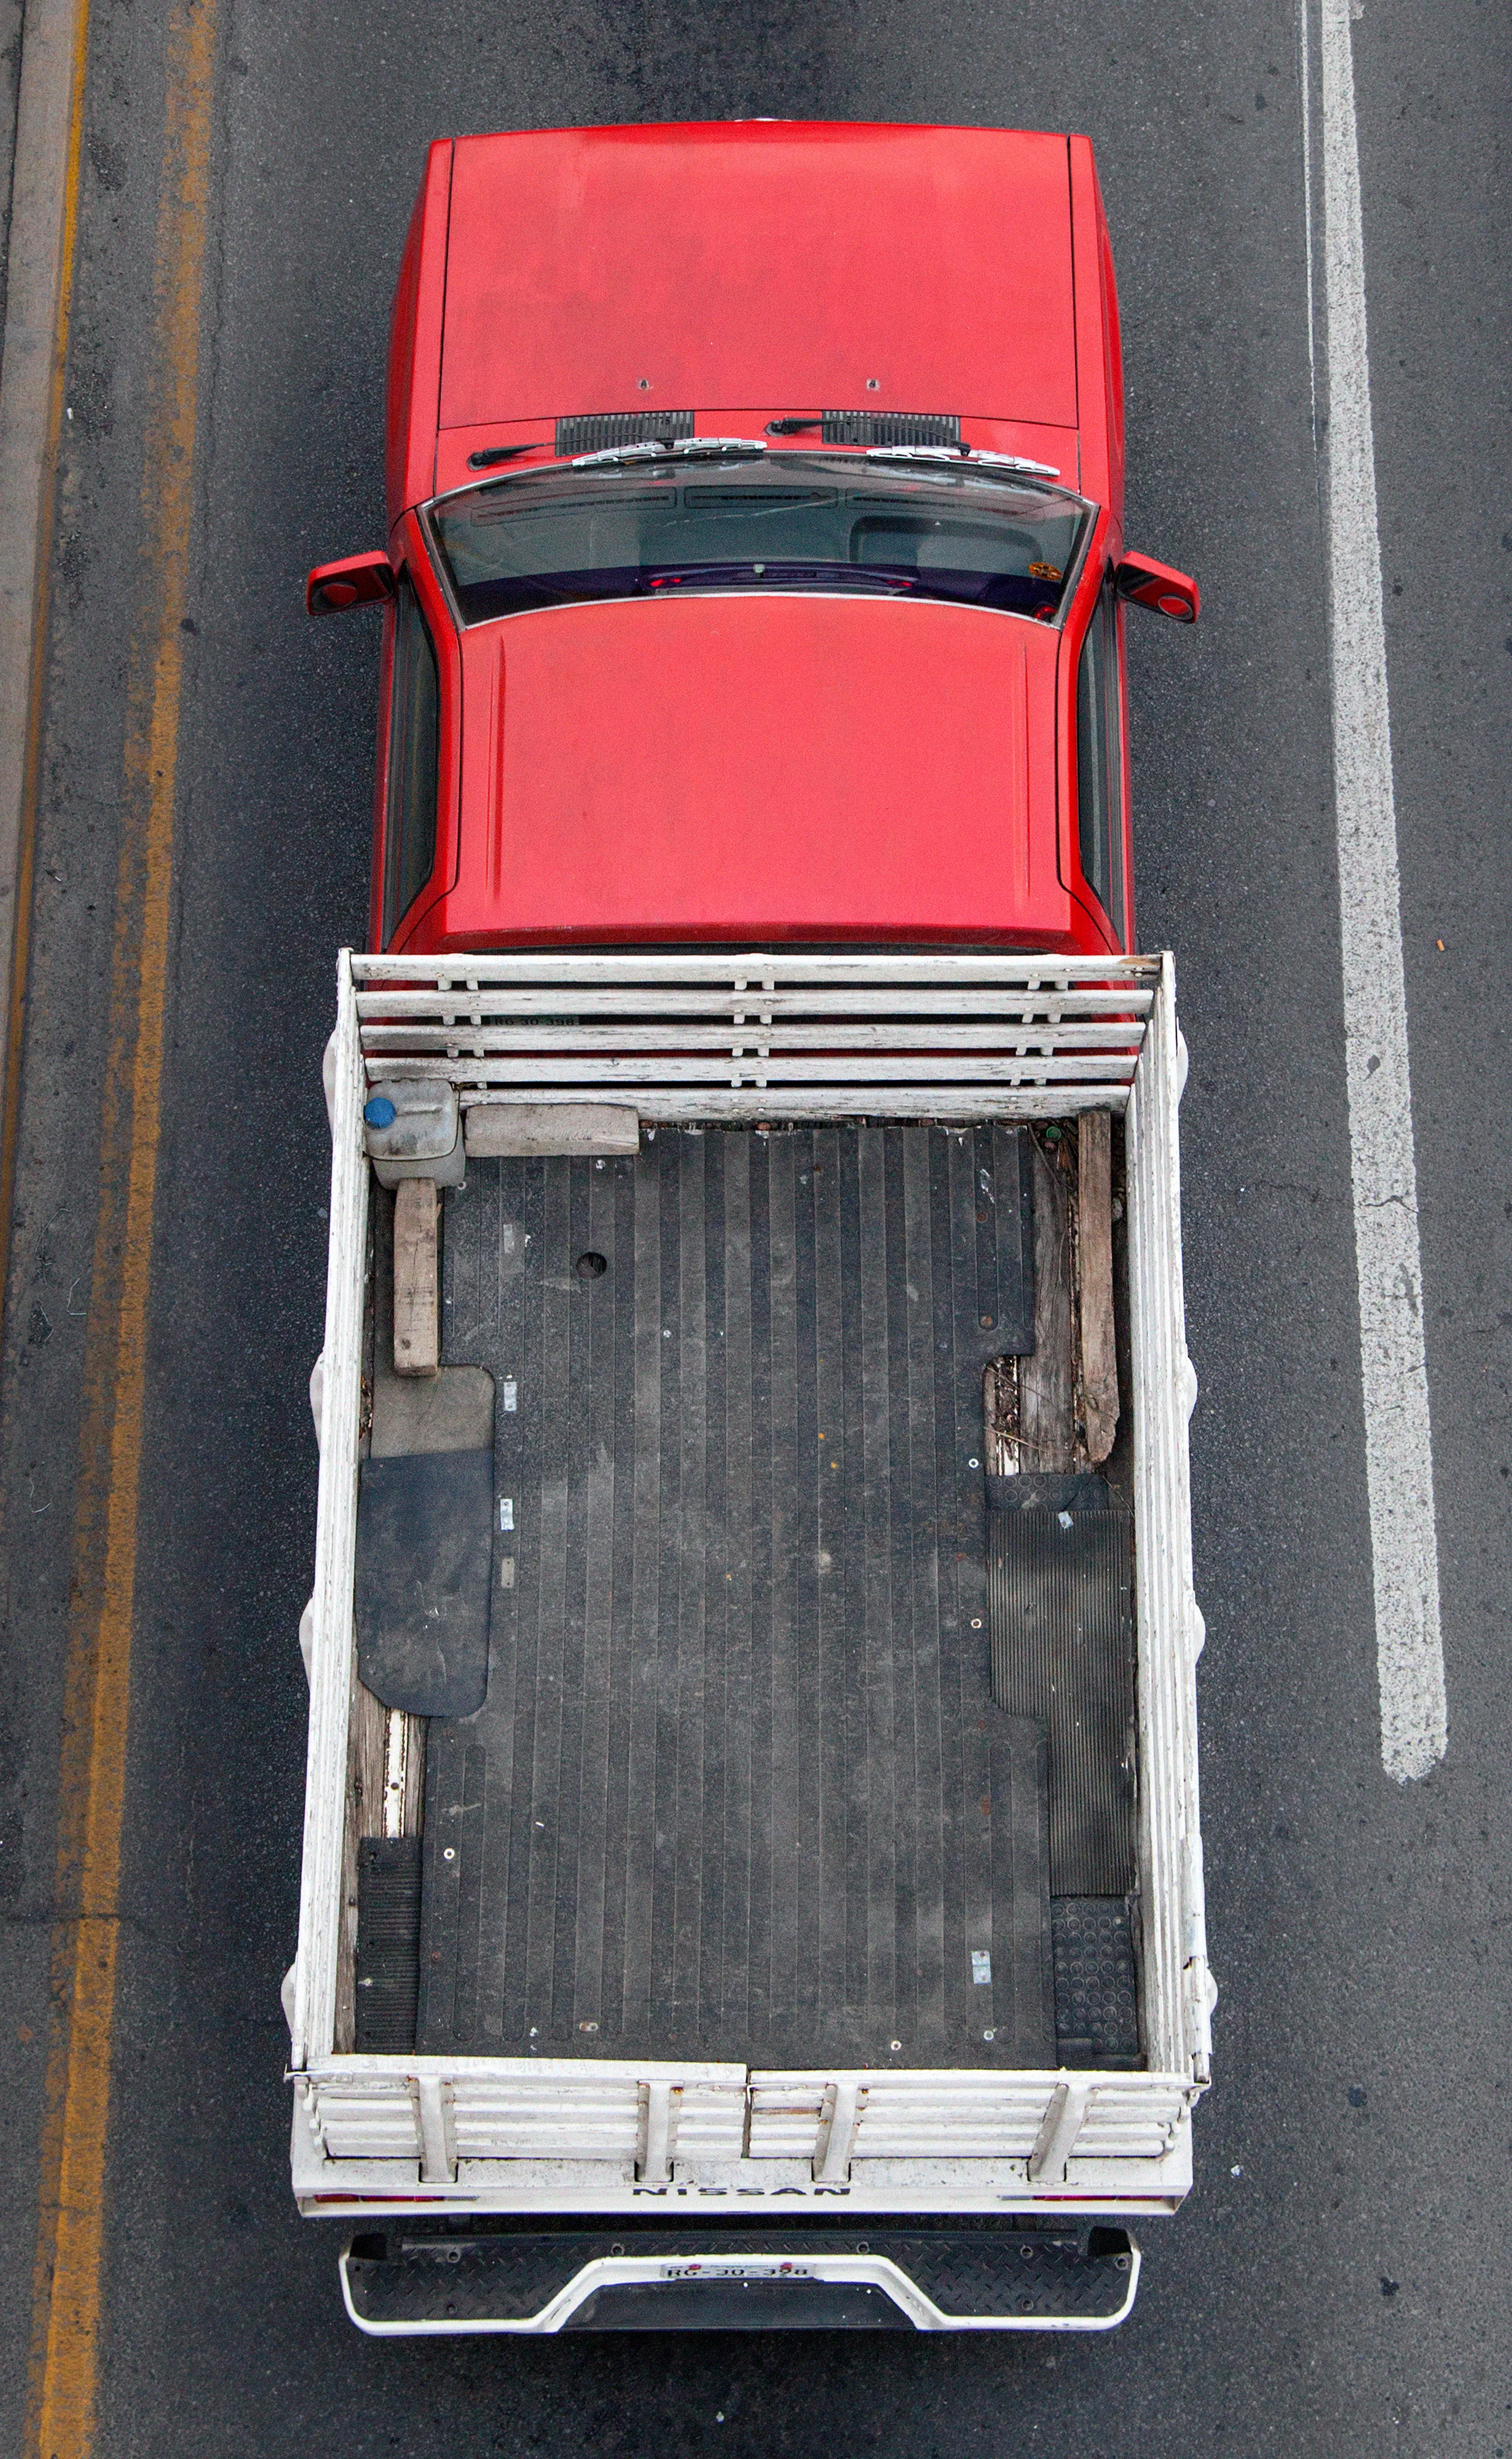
pixel 9 85
pixel 1337 2282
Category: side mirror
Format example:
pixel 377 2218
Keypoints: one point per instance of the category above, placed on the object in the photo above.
pixel 357 580
pixel 1148 583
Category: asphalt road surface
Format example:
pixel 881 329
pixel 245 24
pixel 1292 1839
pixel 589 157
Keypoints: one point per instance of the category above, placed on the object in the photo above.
pixel 1338 2280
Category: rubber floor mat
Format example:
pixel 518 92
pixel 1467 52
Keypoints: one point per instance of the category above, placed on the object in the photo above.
pixel 1096 1982
pixel 423 1553
pixel 388 1941
pixel 1061 1592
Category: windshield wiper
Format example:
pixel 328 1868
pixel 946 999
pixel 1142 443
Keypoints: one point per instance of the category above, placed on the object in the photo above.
pixel 955 455
pixel 688 448
pixel 651 452
pixel 781 573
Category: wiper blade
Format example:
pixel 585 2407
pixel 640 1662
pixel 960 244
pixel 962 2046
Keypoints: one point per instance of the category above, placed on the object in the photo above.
pixel 650 452
pixel 688 448
pixel 961 455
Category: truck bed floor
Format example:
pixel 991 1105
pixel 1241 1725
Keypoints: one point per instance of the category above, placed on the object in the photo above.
pixel 739 1788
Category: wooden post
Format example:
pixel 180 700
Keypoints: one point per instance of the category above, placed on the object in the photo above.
pixel 417 1294
pixel 1095 1257
pixel 1046 1381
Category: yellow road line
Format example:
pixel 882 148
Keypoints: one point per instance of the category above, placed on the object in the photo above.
pixel 68 2282
pixel 15 990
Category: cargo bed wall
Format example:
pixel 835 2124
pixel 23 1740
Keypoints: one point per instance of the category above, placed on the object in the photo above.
pixel 774 1036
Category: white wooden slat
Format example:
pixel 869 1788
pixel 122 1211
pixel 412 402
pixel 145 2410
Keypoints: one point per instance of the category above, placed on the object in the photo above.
pixel 508 2098
pixel 365 2130
pixel 496 2140
pixel 343 2142
pixel 540 2077
pixel 414 1039
pixel 662 1105
pixel 1009 1001
pixel 885 1067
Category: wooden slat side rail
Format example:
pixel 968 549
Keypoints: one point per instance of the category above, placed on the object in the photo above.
pixel 905 1035
pixel 495 1001
pixel 818 1035
pixel 1176 1981
pixel 334 1639
pixel 886 1067
pixel 660 2116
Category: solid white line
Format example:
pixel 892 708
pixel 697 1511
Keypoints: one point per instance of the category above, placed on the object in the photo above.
pixel 1399 1456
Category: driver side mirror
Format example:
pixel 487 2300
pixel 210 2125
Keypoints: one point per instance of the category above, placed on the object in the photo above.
pixel 1148 583
pixel 357 580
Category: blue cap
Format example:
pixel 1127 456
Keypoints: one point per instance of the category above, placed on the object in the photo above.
pixel 380 1111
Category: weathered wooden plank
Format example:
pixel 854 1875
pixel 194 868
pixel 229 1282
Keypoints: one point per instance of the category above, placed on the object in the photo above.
pixel 1011 1001
pixel 887 1067
pixel 525 1128
pixel 1000 1412
pixel 663 1104
pixel 1095 1261
pixel 1046 1382
pixel 1004 1033
pixel 751 968
pixel 364 1816
pixel 416 1289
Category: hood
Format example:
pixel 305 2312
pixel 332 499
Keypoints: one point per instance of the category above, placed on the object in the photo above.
pixel 764 265
pixel 757 769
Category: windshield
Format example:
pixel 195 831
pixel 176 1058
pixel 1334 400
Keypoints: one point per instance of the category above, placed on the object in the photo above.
pixel 799 521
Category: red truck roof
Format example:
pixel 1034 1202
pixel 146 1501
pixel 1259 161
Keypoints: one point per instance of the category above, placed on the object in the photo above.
pixel 744 766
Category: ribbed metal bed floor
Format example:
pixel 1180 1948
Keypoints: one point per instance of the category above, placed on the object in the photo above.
pixel 739 1789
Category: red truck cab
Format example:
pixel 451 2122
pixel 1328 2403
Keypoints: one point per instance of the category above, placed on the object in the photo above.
pixel 755 563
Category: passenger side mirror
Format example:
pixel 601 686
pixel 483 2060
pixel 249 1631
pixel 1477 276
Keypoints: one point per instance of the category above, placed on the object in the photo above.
pixel 357 580
pixel 1148 583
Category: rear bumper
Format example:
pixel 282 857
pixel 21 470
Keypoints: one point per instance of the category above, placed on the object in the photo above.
pixel 958 2276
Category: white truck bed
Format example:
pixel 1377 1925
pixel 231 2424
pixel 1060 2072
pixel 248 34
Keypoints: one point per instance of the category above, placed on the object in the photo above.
pixel 777 1042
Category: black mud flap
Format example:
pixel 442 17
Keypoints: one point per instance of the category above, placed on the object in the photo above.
pixel 891 2275
pixel 424 1549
